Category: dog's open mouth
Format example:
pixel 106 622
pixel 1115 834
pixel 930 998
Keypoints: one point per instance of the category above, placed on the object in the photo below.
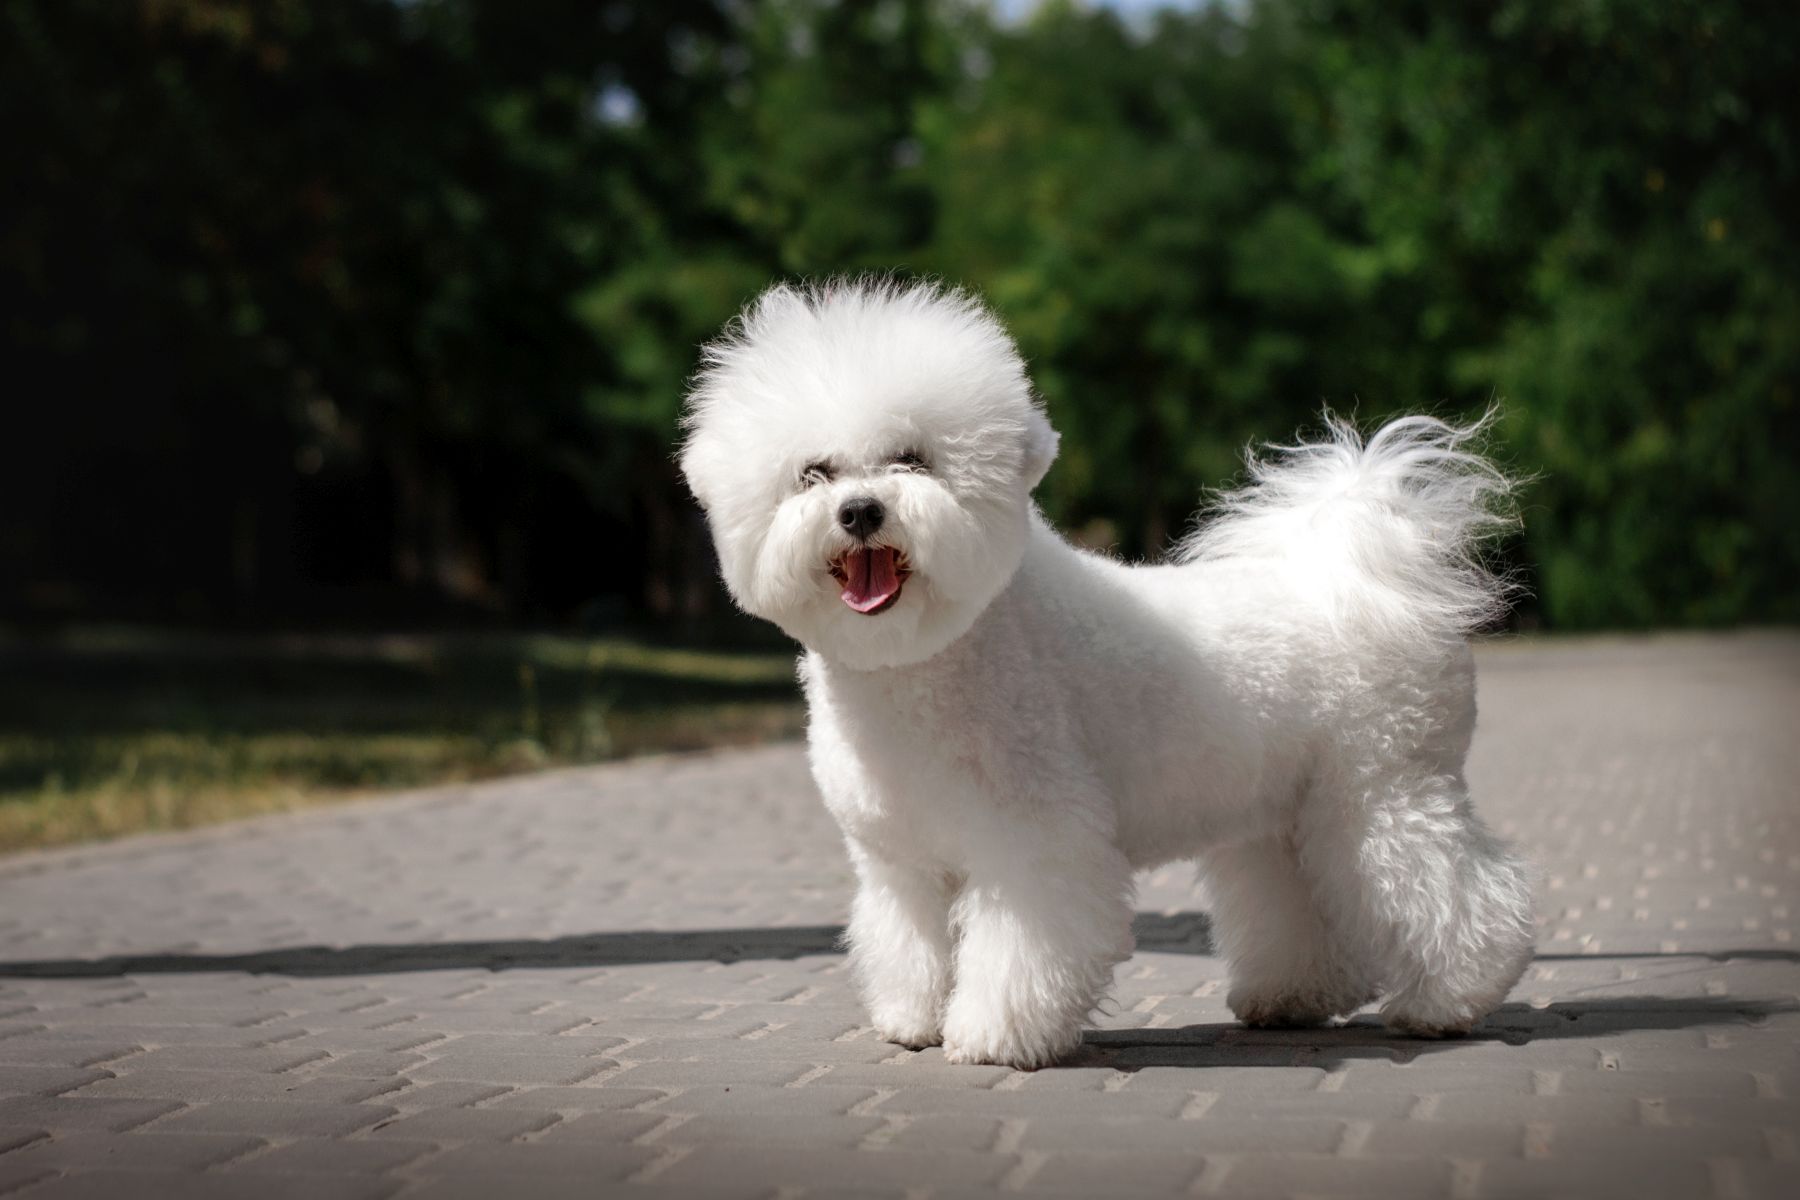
pixel 872 577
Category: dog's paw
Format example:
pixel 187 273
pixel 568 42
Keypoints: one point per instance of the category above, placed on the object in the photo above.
pixel 912 1026
pixel 1294 1008
pixel 1418 1017
pixel 1003 1045
pixel 914 1035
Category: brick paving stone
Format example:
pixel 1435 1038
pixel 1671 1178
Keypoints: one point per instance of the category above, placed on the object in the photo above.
pixel 573 1099
pixel 26 1079
pixel 942 1132
pixel 706 1074
pixel 198 1087
pixel 288 1118
pixel 172 1185
pixel 1112 1174
pixel 622 981
pixel 486 1185
pixel 511 1069
pixel 832 1169
pixel 330 1156
pixel 593 1128
pixel 16 1174
pixel 1442 1139
pixel 769 1128
pixel 806 1102
pixel 45 1052
pixel 462 1125
pixel 594 1164
pixel 1334 1175
pixel 141 1149
pixel 81 1112
pixel 1019 1103
pixel 1594 1176
pixel 1199 1136
pixel 14 1137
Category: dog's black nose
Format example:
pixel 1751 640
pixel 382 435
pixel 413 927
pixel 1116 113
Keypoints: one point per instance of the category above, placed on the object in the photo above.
pixel 861 517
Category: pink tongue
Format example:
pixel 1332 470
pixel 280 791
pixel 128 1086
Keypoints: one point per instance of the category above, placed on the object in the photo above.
pixel 872 578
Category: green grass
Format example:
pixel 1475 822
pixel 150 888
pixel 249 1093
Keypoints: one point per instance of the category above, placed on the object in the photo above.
pixel 110 732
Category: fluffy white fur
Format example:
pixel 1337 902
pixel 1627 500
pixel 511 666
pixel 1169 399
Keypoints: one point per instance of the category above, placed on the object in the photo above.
pixel 1290 700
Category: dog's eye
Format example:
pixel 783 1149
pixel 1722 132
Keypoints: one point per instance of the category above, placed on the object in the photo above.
pixel 816 472
pixel 910 460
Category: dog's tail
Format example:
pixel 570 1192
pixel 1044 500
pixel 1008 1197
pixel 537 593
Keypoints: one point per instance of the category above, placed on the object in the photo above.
pixel 1385 535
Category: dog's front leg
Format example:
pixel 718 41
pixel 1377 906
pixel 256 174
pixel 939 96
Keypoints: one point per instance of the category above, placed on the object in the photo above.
pixel 1043 919
pixel 899 939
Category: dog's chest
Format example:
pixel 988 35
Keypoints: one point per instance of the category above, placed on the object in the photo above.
pixel 902 769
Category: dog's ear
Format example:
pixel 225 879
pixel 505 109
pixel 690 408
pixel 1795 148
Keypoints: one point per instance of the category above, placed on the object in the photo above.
pixel 1040 447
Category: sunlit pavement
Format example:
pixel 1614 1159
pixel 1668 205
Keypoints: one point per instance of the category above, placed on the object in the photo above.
pixel 623 981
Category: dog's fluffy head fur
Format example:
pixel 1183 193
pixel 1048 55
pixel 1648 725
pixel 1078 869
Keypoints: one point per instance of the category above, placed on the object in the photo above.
pixel 910 396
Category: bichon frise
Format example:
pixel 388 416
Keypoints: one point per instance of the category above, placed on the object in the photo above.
pixel 1006 727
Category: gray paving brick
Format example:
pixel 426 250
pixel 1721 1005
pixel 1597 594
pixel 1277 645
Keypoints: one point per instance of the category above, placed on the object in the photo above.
pixel 172 1185
pixel 45 1052
pixel 1114 1175
pixel 28 1079
pixel 593 1164
pixel 157 1151
pixel 270 1059
pixel 1284 1106
pixel 462 1125
pixel 1236 1080
pixel 286 1118
pixel 1197 1137
pixel 1653 1143
pixel 1443 1139
pixel 831 1169
pixel 811 1100
pixel 1418 1081
pixel 1520 1179
pixel 16 1175
pixel 914 1070
pixel 485 1185
pixel 778 1127
pixel 1082 1104
pixel 1506 1109
pixel 577 1099
pixel 1659 1084
pixel 335 1156
pixel 597 1128
pixel 809 1051
pixel 198 1087
pixel 705 1074
pixel 1335 1175
pixel 413 1096
pixel 370 1064
pixel 514 1070
pixel 80 1112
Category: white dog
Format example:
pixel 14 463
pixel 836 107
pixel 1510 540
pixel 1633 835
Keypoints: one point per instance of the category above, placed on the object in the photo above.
pixel 1006 727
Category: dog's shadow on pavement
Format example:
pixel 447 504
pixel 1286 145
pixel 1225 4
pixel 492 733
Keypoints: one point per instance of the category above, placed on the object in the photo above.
pixel 1188 933
pixel 1363 1037
pixel 1178 933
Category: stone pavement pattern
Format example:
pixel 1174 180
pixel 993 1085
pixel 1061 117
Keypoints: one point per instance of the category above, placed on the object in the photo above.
pixel 622 982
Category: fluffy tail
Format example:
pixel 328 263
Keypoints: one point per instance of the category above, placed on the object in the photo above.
pixel 1385 535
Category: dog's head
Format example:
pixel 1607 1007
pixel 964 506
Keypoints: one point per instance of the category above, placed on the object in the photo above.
pixel 865 453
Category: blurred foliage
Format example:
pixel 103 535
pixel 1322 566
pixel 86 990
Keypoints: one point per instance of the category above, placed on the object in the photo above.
pixel 382 309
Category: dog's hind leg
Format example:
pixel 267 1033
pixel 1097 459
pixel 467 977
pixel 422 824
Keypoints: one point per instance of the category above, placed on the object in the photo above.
pixel 1440 902
pixel 1287 968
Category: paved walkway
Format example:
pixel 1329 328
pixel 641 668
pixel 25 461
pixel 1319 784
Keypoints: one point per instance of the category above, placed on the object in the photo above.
pixel 622 982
